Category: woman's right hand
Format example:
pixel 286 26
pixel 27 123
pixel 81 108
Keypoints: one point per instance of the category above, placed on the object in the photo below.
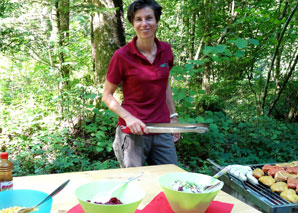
pixel 136 126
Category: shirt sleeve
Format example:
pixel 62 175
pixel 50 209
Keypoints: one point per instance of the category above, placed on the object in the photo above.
pixel 115 71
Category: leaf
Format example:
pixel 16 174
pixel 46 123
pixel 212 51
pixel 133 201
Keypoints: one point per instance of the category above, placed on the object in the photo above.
pixel 103 128
pixel 201 91
pixel 209 120
pixel 220 48
pixel 212 126
pixel 189 66
pixel 253 41
pixel 231 41
pixel 109 149
pixel 177 69
pixel 198 62
pixel 207 50
pixel 273 137
pixel 226 58
pixel 96 111
pixel 99 134
pixel 91 96
pixel 241 43
pixel 200 119
pixel 216 58
pixel 239 54
pixel 99 149
pixel 227 52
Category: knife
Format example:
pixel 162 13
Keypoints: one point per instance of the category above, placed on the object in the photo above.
pixel 172 128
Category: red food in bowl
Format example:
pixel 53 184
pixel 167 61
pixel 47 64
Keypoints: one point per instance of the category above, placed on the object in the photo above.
pixel 112 201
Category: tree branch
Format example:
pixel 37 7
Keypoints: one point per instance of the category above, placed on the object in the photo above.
pixel 275 54
pixel 199 48
pixel 283 85
pixel 249 76
pixel 36 57
pixel 224 33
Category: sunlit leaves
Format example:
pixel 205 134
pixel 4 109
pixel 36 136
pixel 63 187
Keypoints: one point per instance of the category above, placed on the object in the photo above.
pixel 239 53
pixel 217 50
pixel 8 8
pixel 240 43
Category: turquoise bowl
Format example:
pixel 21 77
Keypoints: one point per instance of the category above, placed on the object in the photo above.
pixel 25 198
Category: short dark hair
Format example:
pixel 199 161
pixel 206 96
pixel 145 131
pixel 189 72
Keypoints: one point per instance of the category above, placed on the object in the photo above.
pixel 140 4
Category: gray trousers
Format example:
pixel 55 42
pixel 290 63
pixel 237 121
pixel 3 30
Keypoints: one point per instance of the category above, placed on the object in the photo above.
pixel 134 150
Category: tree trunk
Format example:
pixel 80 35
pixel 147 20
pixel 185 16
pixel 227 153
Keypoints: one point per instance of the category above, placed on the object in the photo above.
pixel 283 85
pixel 93 49
pixel 273 61
pixel 279 52
pixel 60 34
pixel 207 65
pixel 293 114
pixel 108 35
pixel 206 78
pixel 63 32
pixel 192 36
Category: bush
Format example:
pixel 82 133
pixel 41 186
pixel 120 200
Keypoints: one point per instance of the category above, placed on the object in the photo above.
pixel 40 145
pixel 63 151
pixel 257 141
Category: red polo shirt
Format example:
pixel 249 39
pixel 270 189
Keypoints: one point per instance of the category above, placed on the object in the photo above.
pixel 143 84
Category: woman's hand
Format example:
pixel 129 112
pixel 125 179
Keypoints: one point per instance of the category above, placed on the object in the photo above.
pixel 135 125
pixel 175 135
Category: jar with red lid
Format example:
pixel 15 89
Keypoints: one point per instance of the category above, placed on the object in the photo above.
pixel 6 167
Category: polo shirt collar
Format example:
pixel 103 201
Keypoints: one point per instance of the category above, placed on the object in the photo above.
pixel 134 50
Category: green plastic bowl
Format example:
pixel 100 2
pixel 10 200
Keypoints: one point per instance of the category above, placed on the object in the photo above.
pixel 130 195
pixel 186 202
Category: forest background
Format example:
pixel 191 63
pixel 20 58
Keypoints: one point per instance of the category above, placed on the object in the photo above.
pixel 235 69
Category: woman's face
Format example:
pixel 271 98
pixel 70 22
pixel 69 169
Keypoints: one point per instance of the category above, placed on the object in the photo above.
pixel 144 23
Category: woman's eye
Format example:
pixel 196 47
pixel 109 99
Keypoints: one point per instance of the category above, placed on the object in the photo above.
pixel 149 18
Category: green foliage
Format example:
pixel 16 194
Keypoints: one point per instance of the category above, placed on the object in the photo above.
pixel 47 130
pixel 61 150
pixel 210 103
pixel 8 7
pixel 258 140
pixel 233 138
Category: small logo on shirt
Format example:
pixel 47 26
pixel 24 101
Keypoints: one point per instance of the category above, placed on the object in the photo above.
pixel 165 65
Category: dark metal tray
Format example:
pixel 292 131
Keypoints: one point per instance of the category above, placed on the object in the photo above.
pixel 259 196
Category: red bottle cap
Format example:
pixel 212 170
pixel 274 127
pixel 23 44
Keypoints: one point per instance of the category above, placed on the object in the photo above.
pixel 4 155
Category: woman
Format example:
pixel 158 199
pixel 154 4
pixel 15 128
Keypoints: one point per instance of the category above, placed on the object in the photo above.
pixel 142 67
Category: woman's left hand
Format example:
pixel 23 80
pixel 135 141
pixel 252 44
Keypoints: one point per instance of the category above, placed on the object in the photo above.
pixel 175 135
